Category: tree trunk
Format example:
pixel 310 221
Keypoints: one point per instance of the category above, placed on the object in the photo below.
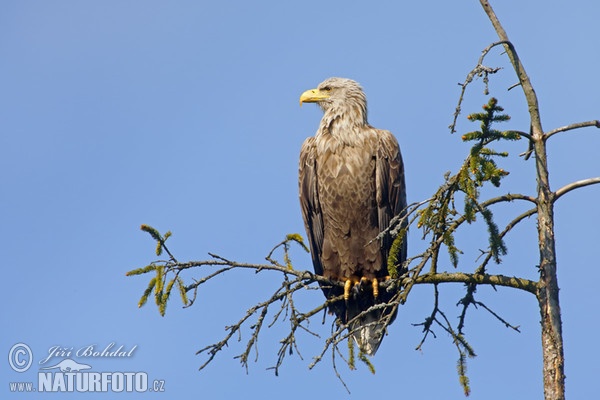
pixel 547 294
pixel 552 345
pixel 552 341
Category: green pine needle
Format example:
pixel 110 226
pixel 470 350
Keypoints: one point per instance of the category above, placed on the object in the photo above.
pixel 351 358
pixel 140 271
pixel 160 284
pixel 463 379
pixel 153 232
pixel 296 237
pixel 147 292
pixel 182 291
pixel 392 261
pixel 367 362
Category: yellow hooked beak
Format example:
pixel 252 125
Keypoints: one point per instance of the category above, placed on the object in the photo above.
pixel 314 96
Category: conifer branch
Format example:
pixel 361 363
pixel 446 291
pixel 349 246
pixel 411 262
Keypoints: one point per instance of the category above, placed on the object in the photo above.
pixel 283 296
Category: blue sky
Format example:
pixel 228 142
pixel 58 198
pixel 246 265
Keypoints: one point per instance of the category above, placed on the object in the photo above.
pixel 184 115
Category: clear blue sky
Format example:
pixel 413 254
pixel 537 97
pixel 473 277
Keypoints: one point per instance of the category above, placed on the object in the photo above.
pixel 184 115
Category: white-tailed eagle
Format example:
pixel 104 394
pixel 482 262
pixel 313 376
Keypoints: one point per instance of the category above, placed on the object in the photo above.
pixel 351 186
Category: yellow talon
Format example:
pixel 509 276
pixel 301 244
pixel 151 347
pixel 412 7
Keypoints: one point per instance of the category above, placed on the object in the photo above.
pixel 375 287
pixel 347 287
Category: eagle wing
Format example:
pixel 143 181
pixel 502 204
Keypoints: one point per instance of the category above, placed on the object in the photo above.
pixel 390 194
pixel 390 187
pixel 309 202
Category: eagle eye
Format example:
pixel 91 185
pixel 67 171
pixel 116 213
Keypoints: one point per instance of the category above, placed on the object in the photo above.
pixel 327 89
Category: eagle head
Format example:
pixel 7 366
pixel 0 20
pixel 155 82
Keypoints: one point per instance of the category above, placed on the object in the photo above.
pixel 338 96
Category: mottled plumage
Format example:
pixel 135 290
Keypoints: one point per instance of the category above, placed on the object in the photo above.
pixel 351 185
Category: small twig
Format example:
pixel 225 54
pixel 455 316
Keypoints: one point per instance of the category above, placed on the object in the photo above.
pixel 215 256
pixel 458 338
pixel 199 282
pixel 479 70
pixel 397 222
pixel 511 87
pixel 469 299
pixel 499 318
pixel 337 374
pixel 429 320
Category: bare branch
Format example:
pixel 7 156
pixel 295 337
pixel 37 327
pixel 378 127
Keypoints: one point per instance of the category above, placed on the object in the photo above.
pixel 485 279
pixel 507 198
pixel 532 101
pixel 499 318
pixel 578 125
pixel 575 185
pixel 521 217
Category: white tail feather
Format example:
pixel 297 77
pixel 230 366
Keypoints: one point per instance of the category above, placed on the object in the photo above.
pixel 368 333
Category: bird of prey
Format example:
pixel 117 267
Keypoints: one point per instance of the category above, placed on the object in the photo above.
pixel 351 181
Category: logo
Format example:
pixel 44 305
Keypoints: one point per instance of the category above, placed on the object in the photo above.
pixel 20 357
pixel 68 365
pixel 72 374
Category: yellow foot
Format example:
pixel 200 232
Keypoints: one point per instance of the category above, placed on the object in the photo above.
pixel 347 287
pixel 375 288
pixel 350 282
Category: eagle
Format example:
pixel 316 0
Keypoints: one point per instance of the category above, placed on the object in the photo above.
pixel 351 183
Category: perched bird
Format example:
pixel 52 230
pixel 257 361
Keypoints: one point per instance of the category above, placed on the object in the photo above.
pixel 351 180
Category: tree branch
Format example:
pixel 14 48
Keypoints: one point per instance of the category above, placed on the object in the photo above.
pixel 578 125
pixel 575 185
pixel 507 198
pixel 479 279
pixel 531 97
